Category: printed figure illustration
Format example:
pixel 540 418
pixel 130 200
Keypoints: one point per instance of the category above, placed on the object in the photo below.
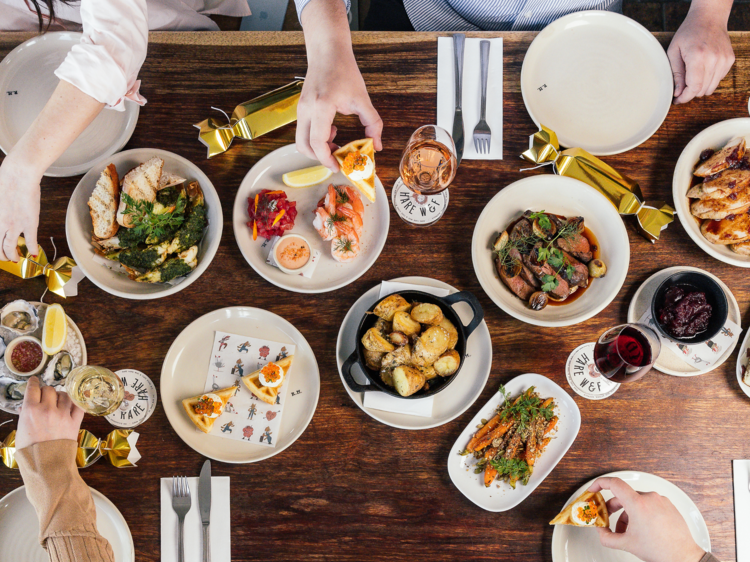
pixel 247 432
pixel 278 399
pixel 214 385
pixel 223 342
pixel 230 408
pixel 237 369
pixel 685 349
pixel 713 346
pixel 727 332
pixel 697 360
pixel 593 371
pixel 227 427
pixel 282 354
pixel 263 352
pixel 270 415
pixel 251 411
pixel 266 435
pixel 218 363
pixel 244 347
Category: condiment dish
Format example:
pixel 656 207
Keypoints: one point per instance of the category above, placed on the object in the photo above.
pixel 299 270
pixel 9 351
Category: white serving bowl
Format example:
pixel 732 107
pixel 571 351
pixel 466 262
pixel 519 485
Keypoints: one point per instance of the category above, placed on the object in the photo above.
pixel 561 196
pixel 714 137
pixel 12 345
pixel 78 226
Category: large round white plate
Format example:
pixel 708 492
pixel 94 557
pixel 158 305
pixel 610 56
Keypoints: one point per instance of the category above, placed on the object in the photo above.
pixel 598 79
pixel 78 228
pixel 185 367
pixel 716 136
pixel 19 528
pixel 668 362
pixel 447 405
pixel 500 496
pixel 562 196
pixel 329 274
pixel 576 544
pixel 27 80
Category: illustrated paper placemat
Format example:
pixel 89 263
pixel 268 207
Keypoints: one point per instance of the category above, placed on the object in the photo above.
pixel 701 355
pixel 246 417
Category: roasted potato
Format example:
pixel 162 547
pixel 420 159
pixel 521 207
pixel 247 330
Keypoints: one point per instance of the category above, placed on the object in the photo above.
pixel 432 343
pixel 374 341
pixel 448 326
pixel 399 356
pixel 383 327
pixel 428 372
pixel 427 313
pixel 398 338
pixel 405 324
pixel 386 375
pixel 407 380
pixel 389 306
pixel 448 363
pixel 373 359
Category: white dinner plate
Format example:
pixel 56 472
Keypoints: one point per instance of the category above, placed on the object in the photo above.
pixel 743 362
pixel 600 80
pixel 447 405
pixel 562 196
pixel 19 528
pixel 329 274
pixel 668 362
pixel 577 544
pixel 500 496
pixel 185 367
pixel 715 136
pixel 78 227
pixel 27 80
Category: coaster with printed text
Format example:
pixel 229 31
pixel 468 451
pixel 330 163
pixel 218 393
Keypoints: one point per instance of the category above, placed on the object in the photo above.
pixel 583 376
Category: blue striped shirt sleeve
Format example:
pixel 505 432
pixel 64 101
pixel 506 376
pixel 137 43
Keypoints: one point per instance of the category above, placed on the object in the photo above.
pixel 300 4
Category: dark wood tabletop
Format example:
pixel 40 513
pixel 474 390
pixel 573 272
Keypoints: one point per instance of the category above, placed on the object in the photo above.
pixel 351 488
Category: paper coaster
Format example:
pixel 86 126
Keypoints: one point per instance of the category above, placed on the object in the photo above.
pixel 583 376
pixel 418 209
pixel 139 402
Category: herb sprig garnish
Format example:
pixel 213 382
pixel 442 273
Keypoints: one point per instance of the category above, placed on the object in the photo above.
pixel 525 408
pixel 147 224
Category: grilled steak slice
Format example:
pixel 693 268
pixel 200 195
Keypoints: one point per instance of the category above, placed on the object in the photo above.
pixel 562 290
pixel 529 277
pixel 577 245
pixel 580 277
pixel 516 284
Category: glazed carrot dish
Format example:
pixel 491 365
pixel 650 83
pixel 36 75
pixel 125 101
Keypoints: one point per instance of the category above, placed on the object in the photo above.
pixel 508 445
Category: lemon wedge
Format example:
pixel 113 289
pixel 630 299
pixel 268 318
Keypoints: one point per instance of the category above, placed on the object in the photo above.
pixel 306 176
pixel 55 330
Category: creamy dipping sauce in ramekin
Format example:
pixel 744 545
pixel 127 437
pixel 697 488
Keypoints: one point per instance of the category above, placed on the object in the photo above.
pixel 292 252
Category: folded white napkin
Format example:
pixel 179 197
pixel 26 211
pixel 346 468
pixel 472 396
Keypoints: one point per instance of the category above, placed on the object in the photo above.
pixel 741 470
pixel 380 400
pixel 193 536
pixel 446 93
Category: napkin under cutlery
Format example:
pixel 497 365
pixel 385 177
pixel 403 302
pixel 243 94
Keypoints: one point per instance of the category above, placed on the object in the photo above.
pixel 471 93
pixel 741 470
pixel 219 529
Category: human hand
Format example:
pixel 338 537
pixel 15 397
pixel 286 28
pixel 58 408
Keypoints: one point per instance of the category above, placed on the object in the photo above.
pixel 700 52
pixel 650 528
pixel 19 212
pixel 46 415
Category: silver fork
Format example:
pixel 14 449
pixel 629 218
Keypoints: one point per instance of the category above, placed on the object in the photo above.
pixel 181 505
pixel 482 133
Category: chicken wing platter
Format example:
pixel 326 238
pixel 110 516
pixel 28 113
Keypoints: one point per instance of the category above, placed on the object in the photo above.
pixel 545 258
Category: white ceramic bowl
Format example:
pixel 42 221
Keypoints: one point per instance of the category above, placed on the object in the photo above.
pixel 12 345
pixel 299 270
pixel 78 226
pixel 562 196
pixel 714 137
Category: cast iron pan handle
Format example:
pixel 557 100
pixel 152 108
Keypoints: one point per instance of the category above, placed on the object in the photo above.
pixel 346 371
pixel 471 300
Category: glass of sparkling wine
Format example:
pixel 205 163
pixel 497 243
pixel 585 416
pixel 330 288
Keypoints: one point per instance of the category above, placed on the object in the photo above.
pixel 428 166
pixel 96 390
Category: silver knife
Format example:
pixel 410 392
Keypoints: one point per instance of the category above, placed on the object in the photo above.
pixel 204 502
pixel 458 118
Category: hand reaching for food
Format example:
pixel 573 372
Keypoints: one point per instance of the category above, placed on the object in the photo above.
pixel 650 528
pixel 47 415
pixel 19 213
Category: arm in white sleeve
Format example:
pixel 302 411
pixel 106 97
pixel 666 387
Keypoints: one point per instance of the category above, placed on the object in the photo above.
pixel 300 4
pixel 105 64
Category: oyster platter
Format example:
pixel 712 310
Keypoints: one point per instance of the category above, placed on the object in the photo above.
pixel 21 351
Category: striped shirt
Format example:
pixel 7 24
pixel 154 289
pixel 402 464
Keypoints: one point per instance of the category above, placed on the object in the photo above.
pixel 490 15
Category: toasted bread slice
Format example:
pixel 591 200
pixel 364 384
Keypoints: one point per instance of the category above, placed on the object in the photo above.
pixel 265 393
pixel 366 147
pixel 141 183
pixel 717 209
pixel 722 159
pixel 169 179
pixel 103 204
pixel 203 422
pixel 565 517
pixel 730 230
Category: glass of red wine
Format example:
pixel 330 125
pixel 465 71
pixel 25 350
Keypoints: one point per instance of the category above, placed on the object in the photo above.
pixel 627 352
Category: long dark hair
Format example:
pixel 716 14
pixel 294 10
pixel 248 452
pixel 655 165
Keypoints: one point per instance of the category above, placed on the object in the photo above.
pixel 50 4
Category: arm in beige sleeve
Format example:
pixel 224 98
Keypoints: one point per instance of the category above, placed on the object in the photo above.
pixel 63 503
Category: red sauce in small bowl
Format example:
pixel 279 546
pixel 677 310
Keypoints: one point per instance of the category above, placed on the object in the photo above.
pixel 26 356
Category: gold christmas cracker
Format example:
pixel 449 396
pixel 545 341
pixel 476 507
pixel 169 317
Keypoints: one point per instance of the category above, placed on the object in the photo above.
pixel 61 276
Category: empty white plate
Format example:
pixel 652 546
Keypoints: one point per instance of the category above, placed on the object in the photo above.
pixel 27 80
pixel 598 79
pixel 19 528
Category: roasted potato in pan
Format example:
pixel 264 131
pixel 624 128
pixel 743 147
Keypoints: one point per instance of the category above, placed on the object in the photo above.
pixel 383 327
pixel 452 332
pixel 427 313
pixel 432 343
pixel 399 356
pixel 428 372
pixel 407 380
pixel 386 376
pixel 448 363
pixel 390 305
pixel 373 359
pixel 373 340
pixel 405 324
pixel 398 338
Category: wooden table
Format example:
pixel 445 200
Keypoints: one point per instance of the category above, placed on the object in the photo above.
pixel 350 488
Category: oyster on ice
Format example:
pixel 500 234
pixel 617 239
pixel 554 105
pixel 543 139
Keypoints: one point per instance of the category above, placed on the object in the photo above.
pixel 11 393
pixel 58 369
pixel 20 317
pixel 2 346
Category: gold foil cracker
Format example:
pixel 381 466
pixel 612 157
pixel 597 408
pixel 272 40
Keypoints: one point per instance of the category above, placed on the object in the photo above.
pixel 8 450
pixel 59 276
pixel 252 119
pixel 623 192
